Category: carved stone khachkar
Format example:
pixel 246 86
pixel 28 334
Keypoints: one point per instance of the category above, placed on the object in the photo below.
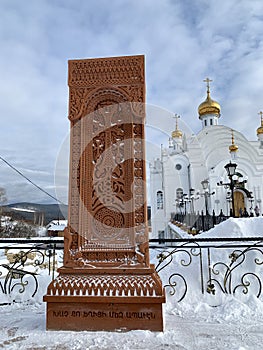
pixel 107 282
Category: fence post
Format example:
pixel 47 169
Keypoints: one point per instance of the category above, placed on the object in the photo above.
pixel 203 220
pixel 54 261
pixel 214 218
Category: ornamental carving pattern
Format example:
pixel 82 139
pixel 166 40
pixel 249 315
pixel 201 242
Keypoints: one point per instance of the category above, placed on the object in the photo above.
pixel 106 285
pixel 112 71
pixel 107 215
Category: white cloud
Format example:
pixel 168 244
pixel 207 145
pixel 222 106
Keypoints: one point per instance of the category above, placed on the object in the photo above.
pixel 184 41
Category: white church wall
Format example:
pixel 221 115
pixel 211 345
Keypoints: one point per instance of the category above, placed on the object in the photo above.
pixel 204 156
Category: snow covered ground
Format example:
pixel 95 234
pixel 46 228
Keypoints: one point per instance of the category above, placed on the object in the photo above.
pixel 195 323
pixel 234 228
pixel 232 326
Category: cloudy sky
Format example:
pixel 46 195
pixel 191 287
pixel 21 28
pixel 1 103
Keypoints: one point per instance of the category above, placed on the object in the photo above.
pixel 184 41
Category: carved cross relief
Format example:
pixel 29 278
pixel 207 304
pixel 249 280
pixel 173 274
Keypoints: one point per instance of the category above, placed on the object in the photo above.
pixel 107 194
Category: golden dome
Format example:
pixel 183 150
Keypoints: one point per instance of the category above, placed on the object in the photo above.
pixel 177 134
pixel 233 147
pixel 209 106
pixel 260 129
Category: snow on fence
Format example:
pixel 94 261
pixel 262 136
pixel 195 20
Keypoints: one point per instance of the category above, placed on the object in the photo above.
pixel 189 268
pixel 210 266
pixel 27 266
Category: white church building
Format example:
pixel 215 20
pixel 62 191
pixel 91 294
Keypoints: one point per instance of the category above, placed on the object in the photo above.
pixel 190 175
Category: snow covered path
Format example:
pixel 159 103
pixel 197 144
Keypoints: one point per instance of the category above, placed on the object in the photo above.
pixel 23 327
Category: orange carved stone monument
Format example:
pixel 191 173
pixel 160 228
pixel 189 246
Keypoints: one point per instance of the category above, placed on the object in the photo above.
pixel 106 282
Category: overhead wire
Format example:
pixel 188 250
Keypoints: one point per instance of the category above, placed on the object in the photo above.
pixel 30 181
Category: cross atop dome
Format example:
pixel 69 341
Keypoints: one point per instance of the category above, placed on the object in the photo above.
pixel 176 117
pixel 207 81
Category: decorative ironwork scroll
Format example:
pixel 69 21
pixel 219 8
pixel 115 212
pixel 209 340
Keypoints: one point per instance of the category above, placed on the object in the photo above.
pixel 16 275
pixel 239 273
pixel 236 270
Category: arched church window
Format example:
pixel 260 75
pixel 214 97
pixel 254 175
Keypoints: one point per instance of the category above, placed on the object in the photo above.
pixel 159 200
pixel 211 121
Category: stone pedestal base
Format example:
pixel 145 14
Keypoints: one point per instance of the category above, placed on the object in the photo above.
pixel 113 315
pixel 102 301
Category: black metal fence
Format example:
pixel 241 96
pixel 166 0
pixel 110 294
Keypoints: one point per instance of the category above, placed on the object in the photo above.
pixel 19 260
pixel 198 222
pixel 213 266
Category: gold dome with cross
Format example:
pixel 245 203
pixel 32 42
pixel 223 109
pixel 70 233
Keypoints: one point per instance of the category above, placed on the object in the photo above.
pixel 233 147
pixel 260 129
pixel 176 133
pixel 209 106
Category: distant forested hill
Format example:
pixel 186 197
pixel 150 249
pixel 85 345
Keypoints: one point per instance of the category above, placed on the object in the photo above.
pixel 25 211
